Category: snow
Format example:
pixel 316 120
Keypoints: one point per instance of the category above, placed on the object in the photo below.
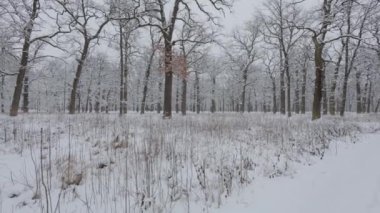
pixel 217 163
pixel 347 180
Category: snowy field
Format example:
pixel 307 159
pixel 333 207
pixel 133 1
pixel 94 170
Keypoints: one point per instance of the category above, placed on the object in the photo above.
pixel 223 162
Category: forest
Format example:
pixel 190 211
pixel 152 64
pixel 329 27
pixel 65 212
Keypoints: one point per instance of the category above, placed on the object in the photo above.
pixel 94 56
pixel 169 106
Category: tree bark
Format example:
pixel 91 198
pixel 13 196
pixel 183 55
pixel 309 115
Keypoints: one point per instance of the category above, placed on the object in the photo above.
pixel 274 96
pixel 2 93
pixel 324 96
pixel 168 80
pixel 297 95
pixel 121 44
pixel 319 76
pixel 146 82
pixel 198 92
pixel 288 79
pixel 358 93
pixel 24 60
pixel 25 95
pixel 332 101
pixel 184 96
pixel 243 94
pixel 369 101
pixel 282 89
pixel 177 96
pixel 213 103
pixel 303 90
pixel 77 76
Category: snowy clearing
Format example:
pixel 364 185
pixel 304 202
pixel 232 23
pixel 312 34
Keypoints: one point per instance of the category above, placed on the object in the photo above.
pixel 347 180
pixel 104 163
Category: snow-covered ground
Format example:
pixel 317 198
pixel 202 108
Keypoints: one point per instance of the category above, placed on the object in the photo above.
pixel 346 181
pixel 199 163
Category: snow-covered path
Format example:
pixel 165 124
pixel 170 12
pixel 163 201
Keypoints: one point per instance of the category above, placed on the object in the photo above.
pixel 347 180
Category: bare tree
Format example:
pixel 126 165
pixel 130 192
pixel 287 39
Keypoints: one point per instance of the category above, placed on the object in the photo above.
pixel 82 15
pixel 23 17
pixel 192 37
pixel 154 42
pixel 281 32
pixel 271 69
pixel 242 54
pixel 350 59
pixel 179 10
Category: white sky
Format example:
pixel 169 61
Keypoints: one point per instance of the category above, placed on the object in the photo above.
pixel 243 10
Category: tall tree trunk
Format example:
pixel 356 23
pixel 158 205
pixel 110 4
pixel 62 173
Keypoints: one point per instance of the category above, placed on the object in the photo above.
pixel 159 106
pixel 198 91
pixel 377 106
pixel 297 95
pixel 126 73
pixel 184 96
pixel 121 44
pixel 332 100
pixel 288 79
pixel 364 97
pixel 2 93
pixel 324 97
pixel 303 90
pixel 25 95
pixel 88 100
pixel 282 87
pixel 168 79
pixel 274 96
pixel 213 104
pixel 77 76
pixel 24 59
pixel 358 93
pixel 369 101
pixel 146 81
pixel 243 93
pixel 344 95
pixel 319 76
pixel 177 96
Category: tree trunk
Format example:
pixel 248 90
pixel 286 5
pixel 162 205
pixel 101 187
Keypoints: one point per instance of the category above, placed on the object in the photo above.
pixel 344 95
pixel 177 96
pixel 125 73
pixel 121 40
pixel 198 92
pixel 282 92
pixel 358 93
pixel 319 76
pixel 274 107
pixel 184 96
pixel 159 106
pixel 213 104
pixel 77 77
pixel 245 78
pixel 168 79
pixel 25 95
pixel 146 81
pixel 288 79
pixel 377 106
pixel 369 101
pixel 324 98
pixel 303 91
pixel 332 100
pixel 24 60
pixel 2 93
pixel 297 95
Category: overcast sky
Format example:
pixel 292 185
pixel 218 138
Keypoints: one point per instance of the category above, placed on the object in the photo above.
pixel 243 10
